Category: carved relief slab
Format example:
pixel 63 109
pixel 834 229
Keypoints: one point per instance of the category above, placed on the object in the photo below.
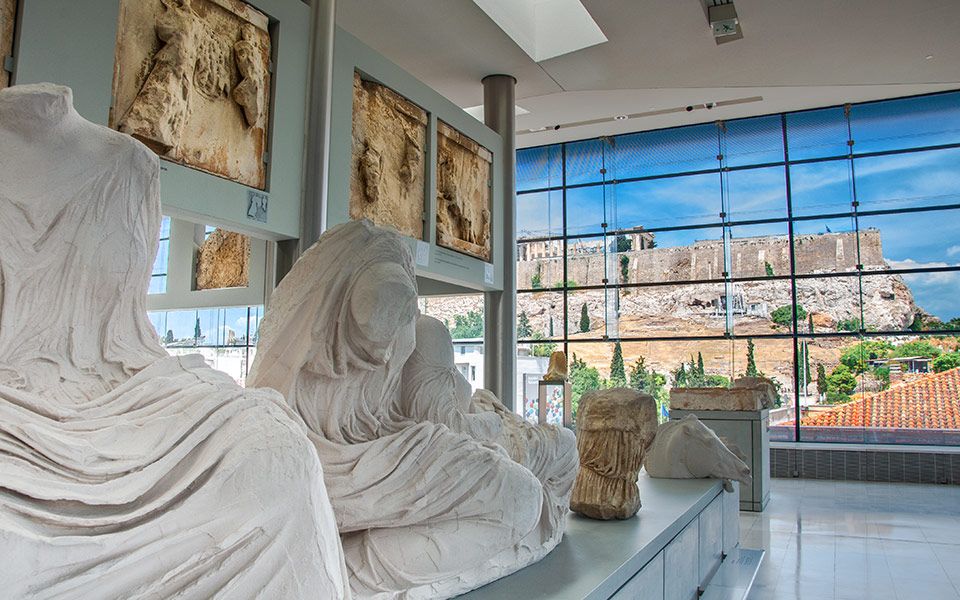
pixel 224 261
pixel 463 193
pixel 191 81
pixel 8 10
pixel 387 159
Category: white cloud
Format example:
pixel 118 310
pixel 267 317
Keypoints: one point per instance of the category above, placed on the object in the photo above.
pixel 953 250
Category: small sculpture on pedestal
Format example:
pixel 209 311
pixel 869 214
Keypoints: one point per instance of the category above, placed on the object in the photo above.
pixel 614 429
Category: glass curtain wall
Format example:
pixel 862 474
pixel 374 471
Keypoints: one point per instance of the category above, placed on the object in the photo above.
pixel 817 248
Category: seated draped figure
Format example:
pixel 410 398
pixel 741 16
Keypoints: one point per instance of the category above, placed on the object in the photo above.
pixel 125 472
pixel 428 500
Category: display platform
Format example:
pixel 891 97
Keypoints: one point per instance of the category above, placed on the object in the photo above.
pixel 670 549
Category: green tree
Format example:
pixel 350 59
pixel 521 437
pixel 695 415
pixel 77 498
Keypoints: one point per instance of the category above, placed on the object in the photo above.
pixel 821 380
pixel 624 243
pixel 718 381
pixel 700 373
pixel 582 379
pixel 842 380
pixel 768 268
pixel 651 244
pixel 551 326
pixel 680 376
pixel 584 319
pixel 543 350
pixel 848 325
pixel 617 376
pixel 524 330
pixel 467 326
pixel 917 324
pixel 810 322
pixel 945 362
pixel 647 381
pixel 196 331
pixel 917 348
pixel 751 363
pixel 168 339
pixel 784 315
pixel 624 267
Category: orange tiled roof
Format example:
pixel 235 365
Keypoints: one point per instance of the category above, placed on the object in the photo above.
pixel 930 402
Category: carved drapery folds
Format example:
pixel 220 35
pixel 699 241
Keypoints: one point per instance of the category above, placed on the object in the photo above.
pixel 192 82
pixel 387 160
pixel 463 193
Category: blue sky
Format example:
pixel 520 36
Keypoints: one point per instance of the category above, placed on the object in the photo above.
pixel 917 179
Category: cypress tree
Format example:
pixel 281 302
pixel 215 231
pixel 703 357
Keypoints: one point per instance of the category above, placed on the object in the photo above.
pixel 584 319
pixel 751 364
pixel 680 377
pixel 821 380
pixel 618 378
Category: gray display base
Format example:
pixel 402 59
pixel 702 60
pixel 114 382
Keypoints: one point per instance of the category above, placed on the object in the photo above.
pixel 671 549
pixel 750 431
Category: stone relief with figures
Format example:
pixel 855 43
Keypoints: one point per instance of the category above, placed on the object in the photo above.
pixel 387 158
pixel 463 193
pixel 192 82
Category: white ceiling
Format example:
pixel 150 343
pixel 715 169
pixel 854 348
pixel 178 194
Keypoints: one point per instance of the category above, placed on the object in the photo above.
pixel 661 55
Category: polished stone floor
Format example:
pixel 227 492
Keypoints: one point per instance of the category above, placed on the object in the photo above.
pixel 836 540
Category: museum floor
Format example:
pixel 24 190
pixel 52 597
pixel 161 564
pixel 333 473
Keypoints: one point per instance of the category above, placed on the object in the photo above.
pixel 855 540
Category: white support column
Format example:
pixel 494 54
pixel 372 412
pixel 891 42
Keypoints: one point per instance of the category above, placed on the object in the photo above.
pixel 500 312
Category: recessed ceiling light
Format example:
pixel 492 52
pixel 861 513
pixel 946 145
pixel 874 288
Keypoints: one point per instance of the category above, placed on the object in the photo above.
pixel 545 28
pixel 928 57
pixel 620 118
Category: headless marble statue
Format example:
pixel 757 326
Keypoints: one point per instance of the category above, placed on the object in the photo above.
pixel 124 472
pixel 424 511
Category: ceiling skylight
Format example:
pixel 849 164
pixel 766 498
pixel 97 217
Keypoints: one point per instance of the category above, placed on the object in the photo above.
pixel 545 28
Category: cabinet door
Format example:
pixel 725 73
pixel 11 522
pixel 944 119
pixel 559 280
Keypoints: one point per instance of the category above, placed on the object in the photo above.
pixel 731 519
pixel 680 564
pixel 711 539
pixel 647 584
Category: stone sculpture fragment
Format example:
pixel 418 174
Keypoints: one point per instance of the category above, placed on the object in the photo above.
pixel 191 81
pixel 463 193
pixel 223 261
pixel 424 511
pixel 125 472
pixel 387 158
pixel 688 449
pixel 557 368
pixel 614 429
pixel 747 393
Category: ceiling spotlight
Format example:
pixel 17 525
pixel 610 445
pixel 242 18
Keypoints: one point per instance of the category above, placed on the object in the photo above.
pixel 709 105
pixel 620 118
pixel 928 57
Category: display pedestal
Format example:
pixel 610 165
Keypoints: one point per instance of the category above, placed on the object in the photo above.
pixel 750 431
pixel 671 549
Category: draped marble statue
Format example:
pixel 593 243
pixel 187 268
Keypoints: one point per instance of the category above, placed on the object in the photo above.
pixel 124 472
pixel 425 509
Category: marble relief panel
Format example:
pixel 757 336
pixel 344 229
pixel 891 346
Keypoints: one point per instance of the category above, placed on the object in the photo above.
pixel 463 193
pixel 223 261
pixel 192 82
pixel 8 12
pixel 387 158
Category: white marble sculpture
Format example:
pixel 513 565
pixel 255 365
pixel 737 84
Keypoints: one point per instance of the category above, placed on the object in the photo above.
pixel 688 449
pixel 125 472
pixel 434 390
pixel 424 511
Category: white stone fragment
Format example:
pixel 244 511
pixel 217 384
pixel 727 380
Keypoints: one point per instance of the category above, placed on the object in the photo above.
pixel 124 472
pixel 688 449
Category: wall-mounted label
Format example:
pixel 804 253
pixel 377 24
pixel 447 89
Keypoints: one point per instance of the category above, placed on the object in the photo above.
pixel 423 254
pixel 257 206
pixel 488 273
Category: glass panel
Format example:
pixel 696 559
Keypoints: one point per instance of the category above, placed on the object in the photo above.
pixel 165 228
pixel 158 284
pixel 680 255
pixel 817 134
pixel 665 152
pixel 756 194
pixel 769 357
pixel 892 241
pixel 685 310
pixel 539 214
pixel 906 123
pixel 588 315
pixel 825 246
pixel 590 260
pixel 759 250
pixel 821 188
pixel 753 307
pixel 912 301
pixel 586 160
pixel 586 210
pixel 463 315
pixel 539 168
pixel 667 202
pixel 160 262
pixel 539 315
pixel 908 180
pixel 540 264
pixel 588 369
pixel 830 304
pixel 752 141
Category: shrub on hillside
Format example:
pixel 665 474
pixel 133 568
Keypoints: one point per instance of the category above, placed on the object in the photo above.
pixel 784 315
